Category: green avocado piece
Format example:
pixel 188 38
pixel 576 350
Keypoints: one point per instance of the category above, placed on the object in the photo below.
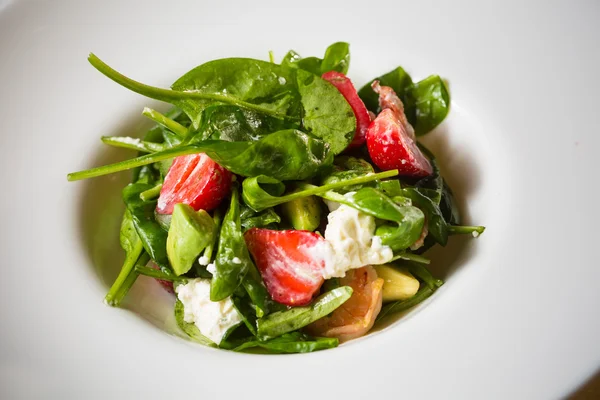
pixel 190 232
pixel 303 213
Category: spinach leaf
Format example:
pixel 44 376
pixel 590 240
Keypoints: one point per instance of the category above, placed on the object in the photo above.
pixel 464 230
pixel 131 243
pixel 327 115
pixel 293 342
pixel 153 237
pixel 280 322
pixel 261 192
pixel 426 102
pixel 398 79
pixel 429 101
pixel 260 220
pixel 434 182
pixel 190 329
pixel 190 232
pixel 337 58
pixel 232 261
pixel 236 124
pixel 421 272
pixel 391 188
pixel 436 224
pixel 448 206
pixel 346 168
pixel 284 155
pixel 403 305
pixel 246 312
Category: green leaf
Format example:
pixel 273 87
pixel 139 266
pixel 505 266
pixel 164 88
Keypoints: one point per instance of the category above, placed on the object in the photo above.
pixel 236 124
pixel 337 58
pixel 436 224
pixel 278 323
pixel 398 79
pixel 294 342
pixel 261 192
pixel 232 261
pixel 346 168
pixel 190 328
pixel 190 232
pixel 403 305
pixel 260 220
pixel 153 237
pixel 285 155
pixel 327 115
pixel 429 102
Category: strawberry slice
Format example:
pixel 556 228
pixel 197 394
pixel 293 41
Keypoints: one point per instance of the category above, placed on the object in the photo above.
pixel 291 273
pixel 346 88
pixel 195 180
pixel 391 139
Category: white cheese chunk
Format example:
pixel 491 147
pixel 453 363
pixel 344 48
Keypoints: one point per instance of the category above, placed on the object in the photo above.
pixel 213 319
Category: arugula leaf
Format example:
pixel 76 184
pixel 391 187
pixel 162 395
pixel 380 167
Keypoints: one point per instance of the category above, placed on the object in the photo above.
pixel 280 322
pixel 284 155
pixel 190 329
pixel 327 115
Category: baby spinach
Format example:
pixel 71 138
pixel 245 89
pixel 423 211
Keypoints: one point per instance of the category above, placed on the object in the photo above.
pixel 158 274
pixel 426 102
pixel 280 322
pixel 153 237
pixel 293 342
pixel 132 244
pixel 190 232
pixel 391 188
pixel 337 58
pixel 190 329
pixel 260 220
pixel 402 305
pixel 327 115
pixel 236 124
pixel 463 230
pixel 398 79
pixel 346 168
pixel 232 261
pixel 429 102
pixel 243 82
pixel 284 155
pixel 261 192
pixel 436 224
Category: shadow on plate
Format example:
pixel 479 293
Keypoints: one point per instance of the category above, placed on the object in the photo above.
pixel 101 209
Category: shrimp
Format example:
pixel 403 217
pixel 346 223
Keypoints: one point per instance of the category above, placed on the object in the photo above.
pixel 357 315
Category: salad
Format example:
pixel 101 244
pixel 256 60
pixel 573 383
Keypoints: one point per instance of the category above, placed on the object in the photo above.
pixel 285 210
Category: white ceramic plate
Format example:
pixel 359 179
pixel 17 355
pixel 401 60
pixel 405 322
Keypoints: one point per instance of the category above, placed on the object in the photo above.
pixel 518 316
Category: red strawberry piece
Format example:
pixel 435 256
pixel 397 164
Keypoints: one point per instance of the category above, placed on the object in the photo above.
pixel 391 139
pixel 167 285
pixel 346 88
pixel 290 272
pixel 195 180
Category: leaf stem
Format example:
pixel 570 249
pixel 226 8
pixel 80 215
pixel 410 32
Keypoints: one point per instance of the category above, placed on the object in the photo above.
pixel 171 96
pixel 165 121
pixel 126 142
pixel 151 193
pixel 411 257
pixel 462 230
pixel 133 162
pixel 158 274
pixel 124 281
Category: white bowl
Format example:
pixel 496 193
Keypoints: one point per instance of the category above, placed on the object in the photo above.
pixel 517 317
